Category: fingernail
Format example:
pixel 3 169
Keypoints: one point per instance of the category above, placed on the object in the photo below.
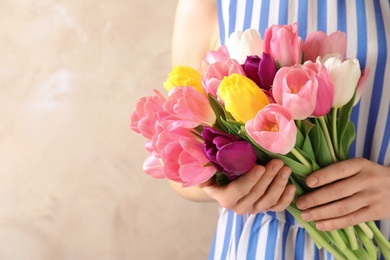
pixel 301 204
pixel 306 216
pixel 311 181
pixel 320 225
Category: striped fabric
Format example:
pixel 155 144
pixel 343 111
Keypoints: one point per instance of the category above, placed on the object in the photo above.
pixel 367 25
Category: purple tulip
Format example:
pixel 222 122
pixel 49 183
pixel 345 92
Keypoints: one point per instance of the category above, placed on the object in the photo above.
pixel 261 70
pixel 228 153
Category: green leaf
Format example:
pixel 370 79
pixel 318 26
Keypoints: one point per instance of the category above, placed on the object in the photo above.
pixel 309 158
pixel 346 140
pixel 233 127
pixel 344 127
pixel 288 159
pixel 320 146
pixel 220 113
pixel 300 139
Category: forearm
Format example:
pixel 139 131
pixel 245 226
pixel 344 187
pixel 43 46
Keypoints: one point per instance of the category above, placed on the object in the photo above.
pixel 191 193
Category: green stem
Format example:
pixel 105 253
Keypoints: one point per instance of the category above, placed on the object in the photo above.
pixel 342 246
pixel 378 236
pixel 368 244
pixel 334 131
pixel 350 232
pixel 328 139
pixel 302 159
pixel 315 234
pixel 299 124
pixel 384 251
pixel 366 229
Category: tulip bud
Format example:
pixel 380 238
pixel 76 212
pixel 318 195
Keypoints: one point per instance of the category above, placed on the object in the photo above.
pixel 261 70
pixel 228 153
pixel 273 129
pixel 182 76
pixel 242 97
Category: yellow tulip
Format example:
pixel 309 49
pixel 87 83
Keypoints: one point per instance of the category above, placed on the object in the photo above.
pixel 242 97
pixel 182 76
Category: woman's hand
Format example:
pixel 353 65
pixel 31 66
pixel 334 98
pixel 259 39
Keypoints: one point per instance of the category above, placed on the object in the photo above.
pixel 349 192
pixel 260 189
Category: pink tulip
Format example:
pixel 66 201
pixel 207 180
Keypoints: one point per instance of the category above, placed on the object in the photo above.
pixel 282 43
pixel 318 44
pixel 153 166
pixel 219 55
pixel 273 129
pixel 295 88
pixel 325 92
pixel 148 111
pixel 185 162
pixel 361 85
pixel 216 72
pixel 166 134
pixel 190 106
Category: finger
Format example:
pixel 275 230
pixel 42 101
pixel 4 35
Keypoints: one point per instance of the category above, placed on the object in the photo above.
pixel 357 217
pixel 336 209
pixel 285 200
pixel 329 193
pixel 246 203
pixel 274 191
pixel 334 172
pixel 228 195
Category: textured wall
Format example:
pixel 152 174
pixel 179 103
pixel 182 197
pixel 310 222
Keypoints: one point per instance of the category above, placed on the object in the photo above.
pixel 71 180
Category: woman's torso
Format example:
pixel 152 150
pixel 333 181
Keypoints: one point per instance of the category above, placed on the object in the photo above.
pixel 367 26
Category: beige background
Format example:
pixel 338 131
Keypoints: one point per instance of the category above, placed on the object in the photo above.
pixel 71 180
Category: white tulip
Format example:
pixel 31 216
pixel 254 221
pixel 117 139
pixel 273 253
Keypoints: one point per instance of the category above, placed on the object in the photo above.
pixel 242 44
pixel 344 75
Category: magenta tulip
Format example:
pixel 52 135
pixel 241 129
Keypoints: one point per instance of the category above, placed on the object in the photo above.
pixel 228 153
pixel 273 129
pixel 261 70
pixel 295 88
pixel 283 44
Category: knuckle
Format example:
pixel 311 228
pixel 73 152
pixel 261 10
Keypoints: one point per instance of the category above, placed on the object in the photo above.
pixel 339 189
pixel 343 209
pixel 341 168
pixel 239 190
pixel 257 192
pixel 350 220
pixel 270 201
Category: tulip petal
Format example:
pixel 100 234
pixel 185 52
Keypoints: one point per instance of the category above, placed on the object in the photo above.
pixel 242 97
pixel 279 139
pixel 154 167
pixel 236 158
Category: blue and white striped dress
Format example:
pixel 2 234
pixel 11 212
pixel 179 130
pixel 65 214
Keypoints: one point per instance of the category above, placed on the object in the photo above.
pixel 367 25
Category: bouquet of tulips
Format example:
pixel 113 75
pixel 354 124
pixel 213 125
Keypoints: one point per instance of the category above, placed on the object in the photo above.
pixel 254 101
